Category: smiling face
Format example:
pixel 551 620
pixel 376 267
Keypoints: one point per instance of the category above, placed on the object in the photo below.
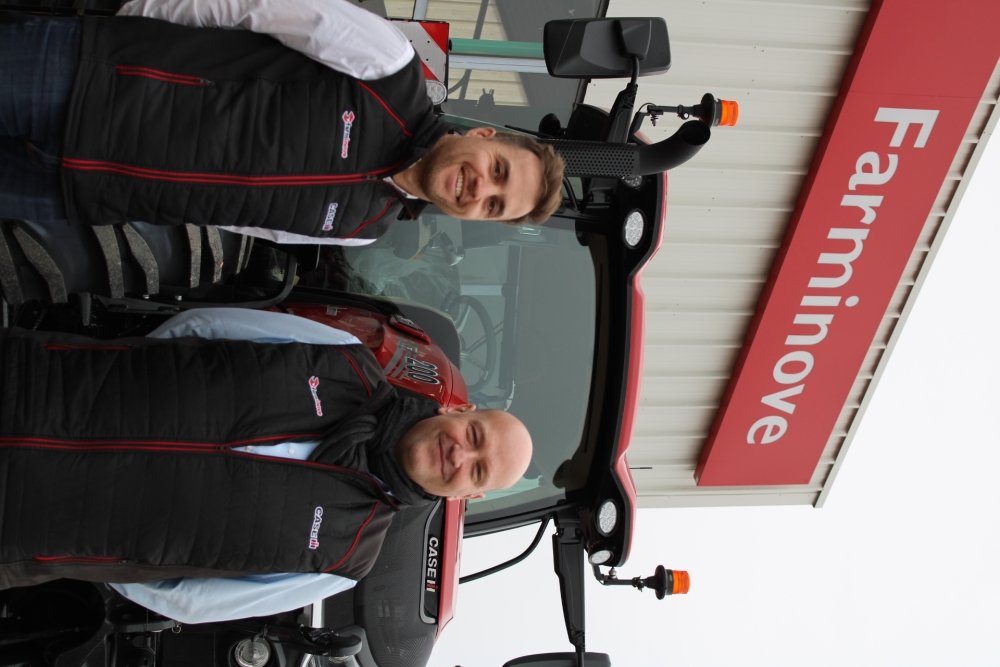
pixel 463 453
pixel 472 177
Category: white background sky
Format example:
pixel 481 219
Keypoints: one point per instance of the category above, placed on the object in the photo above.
pixel 901 566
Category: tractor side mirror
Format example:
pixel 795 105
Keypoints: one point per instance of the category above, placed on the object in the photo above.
pixel 560 660
pixel 605 48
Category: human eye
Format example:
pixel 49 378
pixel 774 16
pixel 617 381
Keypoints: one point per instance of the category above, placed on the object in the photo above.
pixel 496 168
pixel 479 473
pixel 492 206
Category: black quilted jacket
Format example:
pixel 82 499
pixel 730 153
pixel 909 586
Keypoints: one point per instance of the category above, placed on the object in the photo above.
pixel 116 462
pixel 171 125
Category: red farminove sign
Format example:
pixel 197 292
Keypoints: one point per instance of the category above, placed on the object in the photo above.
pixel 916 78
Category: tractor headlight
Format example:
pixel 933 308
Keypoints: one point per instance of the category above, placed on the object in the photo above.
pixel 635 225
pixel 600 557
pixel 607 517
pixel 252 653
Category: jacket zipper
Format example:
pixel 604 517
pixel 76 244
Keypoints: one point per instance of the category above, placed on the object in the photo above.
pixel 57 347
pixel 402 200
pixel 159 75
pixel 385 106
pixel 223 179
pixel 354 544
pixel 378 216
pixel 80 559
pixel 395 195
pixel 193 448
pixel 61 443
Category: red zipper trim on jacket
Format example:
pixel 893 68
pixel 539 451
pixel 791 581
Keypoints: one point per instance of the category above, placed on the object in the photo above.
pixel 66 443
pixel 386 107
pixel 59 347
pixel 78 559
pixel 371 220
pixel 191 448
pixel 159 75
pixel 329 466
pixel 358 371
pixel 222 179
pixel 402 200
pixel 357 538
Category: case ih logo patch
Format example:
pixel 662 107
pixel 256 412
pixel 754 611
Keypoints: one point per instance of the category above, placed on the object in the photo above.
pixel 313 388
pixel 314 533
pixel 331 213
pixel 348 118
pixel 431 581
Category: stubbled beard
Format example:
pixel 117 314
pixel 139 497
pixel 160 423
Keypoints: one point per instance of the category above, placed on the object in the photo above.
pixel 434 164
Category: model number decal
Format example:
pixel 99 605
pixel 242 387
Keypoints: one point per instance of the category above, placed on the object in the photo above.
pixel 421 371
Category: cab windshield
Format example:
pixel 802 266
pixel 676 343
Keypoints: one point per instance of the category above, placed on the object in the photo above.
pixel 523 299
pixel 524 303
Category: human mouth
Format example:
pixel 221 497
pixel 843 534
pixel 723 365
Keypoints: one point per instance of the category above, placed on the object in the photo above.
pixel 459 182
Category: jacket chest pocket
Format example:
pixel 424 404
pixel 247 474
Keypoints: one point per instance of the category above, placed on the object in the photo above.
pixel 160 75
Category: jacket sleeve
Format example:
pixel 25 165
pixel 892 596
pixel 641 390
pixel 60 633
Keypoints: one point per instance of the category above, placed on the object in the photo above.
pixel 334 32
pixel 279 236
pixel 195 600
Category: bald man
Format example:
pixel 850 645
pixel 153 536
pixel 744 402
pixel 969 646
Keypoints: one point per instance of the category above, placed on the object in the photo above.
pixel 464 453
pixel 230 448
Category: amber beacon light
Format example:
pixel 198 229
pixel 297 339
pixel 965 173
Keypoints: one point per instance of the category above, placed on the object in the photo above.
pixel 730 113
pixel 664 582
pixel 712 112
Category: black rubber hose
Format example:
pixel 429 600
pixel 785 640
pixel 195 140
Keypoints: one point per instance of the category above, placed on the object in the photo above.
pixel 675 150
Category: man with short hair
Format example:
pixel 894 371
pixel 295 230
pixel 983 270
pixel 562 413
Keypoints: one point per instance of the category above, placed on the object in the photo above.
pixel 253 459
pixel 310 124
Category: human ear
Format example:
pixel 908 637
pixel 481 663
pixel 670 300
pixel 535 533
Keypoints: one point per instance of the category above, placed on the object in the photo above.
pixel 462 407
pixel 470 496
pixel 484 132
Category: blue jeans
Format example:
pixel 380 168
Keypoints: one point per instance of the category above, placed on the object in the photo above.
pixel 38 61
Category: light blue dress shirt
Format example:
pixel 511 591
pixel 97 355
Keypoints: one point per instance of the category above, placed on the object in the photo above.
pixel 206 600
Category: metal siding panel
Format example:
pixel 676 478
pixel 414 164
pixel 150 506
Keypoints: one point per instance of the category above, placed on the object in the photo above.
pixel 683 392
pixel 753 496
pixel 677 359
pixel 704 224
pixel 680 294
pixel 712 261
pixel 930 231
pixel 727 213
pixel 698 328
pixel 658 419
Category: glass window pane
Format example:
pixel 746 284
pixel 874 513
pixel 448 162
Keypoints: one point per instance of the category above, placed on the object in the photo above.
pixel 533 289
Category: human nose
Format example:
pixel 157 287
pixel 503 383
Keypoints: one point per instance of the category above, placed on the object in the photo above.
pixel 483 188
pixel 459 455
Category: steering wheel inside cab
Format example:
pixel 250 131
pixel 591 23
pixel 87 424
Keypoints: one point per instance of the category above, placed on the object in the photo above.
pixel 476 370
pixel 478 341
